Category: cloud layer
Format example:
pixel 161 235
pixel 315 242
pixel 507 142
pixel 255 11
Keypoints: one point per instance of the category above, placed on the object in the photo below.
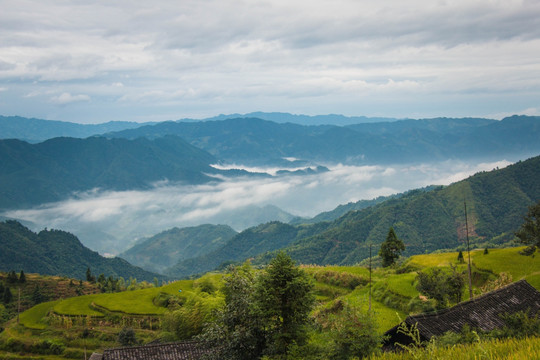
pixel 110 221
pixel 135 60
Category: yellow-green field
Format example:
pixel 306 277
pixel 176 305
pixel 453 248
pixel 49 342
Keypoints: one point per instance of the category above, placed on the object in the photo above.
pixel 333 283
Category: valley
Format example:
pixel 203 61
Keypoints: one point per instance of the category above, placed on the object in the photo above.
pixel 175 206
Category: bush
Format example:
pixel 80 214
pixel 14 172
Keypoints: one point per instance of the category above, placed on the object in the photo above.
pixel 342 279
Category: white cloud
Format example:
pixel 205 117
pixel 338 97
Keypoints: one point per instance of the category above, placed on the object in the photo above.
pixel 390 58
pixel 128 215
pixel 67 98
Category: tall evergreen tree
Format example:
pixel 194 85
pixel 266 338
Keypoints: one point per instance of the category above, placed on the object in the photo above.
pixel 8 296
pixel 22 277
pixel 284 296
pixel 391 249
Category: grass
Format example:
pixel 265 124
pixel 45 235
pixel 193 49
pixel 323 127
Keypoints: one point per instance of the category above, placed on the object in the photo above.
pixel 78 306
pixel 32 318
pixel 508 260
pixel 403 284
pixel 136 302
pixel 515 349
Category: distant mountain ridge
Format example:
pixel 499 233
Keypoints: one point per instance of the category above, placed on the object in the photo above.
pixel 32 174
pixel 56 252
pixel 252 141
pixel 426 219
pixel 36 130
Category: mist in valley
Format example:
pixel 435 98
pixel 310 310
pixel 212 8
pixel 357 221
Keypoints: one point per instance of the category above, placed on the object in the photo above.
pixel 112 221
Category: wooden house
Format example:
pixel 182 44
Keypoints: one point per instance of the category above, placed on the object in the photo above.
pixel 483 312
pixel 188 350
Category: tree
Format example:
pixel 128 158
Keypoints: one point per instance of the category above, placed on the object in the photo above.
pixel 89 276
pixel 391 249
pixel 460 257
pixel 284 297
pixel 354 333
pixel 22 277
pixel 8 296
pixel 12 277
pixel 127 337
pixel 37 296
pixel 237 333
pixel 442 286
pixel 529 233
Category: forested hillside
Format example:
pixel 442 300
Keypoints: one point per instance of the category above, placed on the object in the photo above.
pixel 56 252
pixel 168 247
pixel 51 170
pixel 255 141
pixel 425 220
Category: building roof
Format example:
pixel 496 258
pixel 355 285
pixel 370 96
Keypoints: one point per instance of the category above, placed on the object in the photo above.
pixel 483 312
pixel 188 350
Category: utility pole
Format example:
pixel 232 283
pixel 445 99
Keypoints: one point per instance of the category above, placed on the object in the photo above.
pixel 468 251
pixel 19 305
pixel 370 277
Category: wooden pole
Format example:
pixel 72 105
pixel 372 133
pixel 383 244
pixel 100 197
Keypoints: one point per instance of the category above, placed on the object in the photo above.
pixel 370 277
pixel 468 251
pixel 19 305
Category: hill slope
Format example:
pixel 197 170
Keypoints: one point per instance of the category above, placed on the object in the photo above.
pixel 425 220
pixel 168 247
pixel 255 141
pixel 55 252
pixel 49 171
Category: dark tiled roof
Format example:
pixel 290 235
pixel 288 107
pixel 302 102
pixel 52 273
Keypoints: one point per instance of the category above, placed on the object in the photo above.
pixel 172 351
pixel 483 312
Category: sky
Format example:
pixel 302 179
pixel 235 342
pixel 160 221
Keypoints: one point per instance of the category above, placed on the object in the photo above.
pixel 111 221
pixel 97 61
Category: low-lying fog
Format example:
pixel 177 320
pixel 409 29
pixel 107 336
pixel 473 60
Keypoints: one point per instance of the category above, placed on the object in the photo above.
pixel 110 222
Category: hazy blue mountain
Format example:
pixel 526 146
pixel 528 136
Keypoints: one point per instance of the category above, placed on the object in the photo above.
pixel 169 247
pixel 279 117
pixel 426 219
pixel 49 171
pixel 56 252
pixel 253 141
pixel 37 130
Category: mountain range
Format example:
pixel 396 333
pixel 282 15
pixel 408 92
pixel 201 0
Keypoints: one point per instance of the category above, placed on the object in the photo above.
pixel 56 252
pixel 425 219
pixel 253 141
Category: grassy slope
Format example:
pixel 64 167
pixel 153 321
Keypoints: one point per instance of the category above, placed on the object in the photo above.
pixel 140 302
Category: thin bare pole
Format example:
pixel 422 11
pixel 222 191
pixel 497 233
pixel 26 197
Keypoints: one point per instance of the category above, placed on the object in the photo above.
pixel 370 277
pixel 468 251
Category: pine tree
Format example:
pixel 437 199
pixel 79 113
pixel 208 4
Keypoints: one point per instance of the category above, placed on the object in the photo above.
pixel 22 277
pixel 460 257
pixel 391 249
pixel 8 296
pixel 284 297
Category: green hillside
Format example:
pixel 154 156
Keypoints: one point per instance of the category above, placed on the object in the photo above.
pixel 249 243
pixel 426 220
pixel 32 174
pixel 168 247
pixel 150 311
pixel 56 252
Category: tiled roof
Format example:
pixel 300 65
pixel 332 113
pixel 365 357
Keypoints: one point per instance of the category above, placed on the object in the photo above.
pixel 173 351
pixel 483 312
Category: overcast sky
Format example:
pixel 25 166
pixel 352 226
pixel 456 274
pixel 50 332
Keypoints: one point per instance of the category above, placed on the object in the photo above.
pixel 95 61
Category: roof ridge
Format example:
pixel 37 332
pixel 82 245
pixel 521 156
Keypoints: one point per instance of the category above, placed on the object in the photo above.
pixel 473 300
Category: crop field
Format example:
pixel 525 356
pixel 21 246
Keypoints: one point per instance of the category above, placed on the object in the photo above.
pixel 32 317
